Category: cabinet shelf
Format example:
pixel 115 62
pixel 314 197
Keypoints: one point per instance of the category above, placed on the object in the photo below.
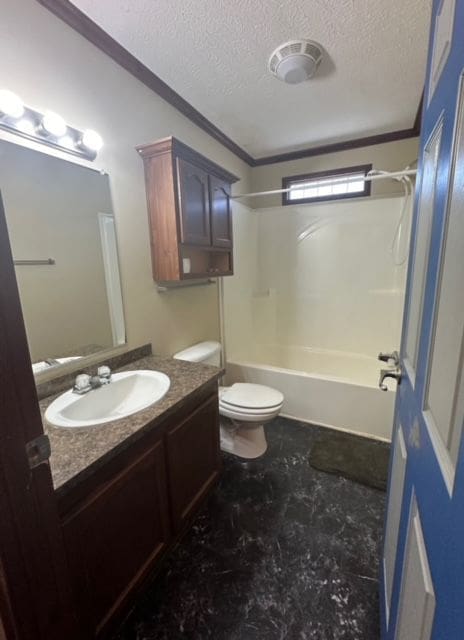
pixel 207 249
pixel 190 215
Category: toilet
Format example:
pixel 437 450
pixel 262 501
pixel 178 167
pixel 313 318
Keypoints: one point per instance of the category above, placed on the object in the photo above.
pixel 244 407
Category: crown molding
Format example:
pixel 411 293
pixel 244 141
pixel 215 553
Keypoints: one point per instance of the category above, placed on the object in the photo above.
pixel 356 143
pixel 87 28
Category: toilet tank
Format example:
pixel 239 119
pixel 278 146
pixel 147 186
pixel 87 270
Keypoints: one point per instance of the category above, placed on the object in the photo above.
pixel 208 352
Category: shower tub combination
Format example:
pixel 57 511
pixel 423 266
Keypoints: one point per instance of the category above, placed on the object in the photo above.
pixel 329 388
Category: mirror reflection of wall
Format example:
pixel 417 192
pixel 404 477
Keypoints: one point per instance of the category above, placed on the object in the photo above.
pixel 58 210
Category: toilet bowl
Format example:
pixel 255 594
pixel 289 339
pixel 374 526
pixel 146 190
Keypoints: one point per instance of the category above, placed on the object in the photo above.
pixel 244 407
pixel 248 407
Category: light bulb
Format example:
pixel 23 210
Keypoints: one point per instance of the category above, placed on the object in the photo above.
pixel 54 124
pixel 92 140
pixel 10 104
pixel 26 126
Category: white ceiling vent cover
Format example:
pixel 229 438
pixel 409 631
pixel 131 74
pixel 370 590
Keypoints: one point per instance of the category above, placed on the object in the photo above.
pixel 295 61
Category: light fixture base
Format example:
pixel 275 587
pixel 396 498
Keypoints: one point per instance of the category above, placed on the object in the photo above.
pixel 295 61
pixel 69 143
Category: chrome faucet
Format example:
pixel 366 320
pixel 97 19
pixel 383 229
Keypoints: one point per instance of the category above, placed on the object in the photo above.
pixel 395 372
pixel 393 357
pixel 85 383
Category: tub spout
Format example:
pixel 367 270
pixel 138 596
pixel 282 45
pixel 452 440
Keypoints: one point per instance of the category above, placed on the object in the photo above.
pixel 396 374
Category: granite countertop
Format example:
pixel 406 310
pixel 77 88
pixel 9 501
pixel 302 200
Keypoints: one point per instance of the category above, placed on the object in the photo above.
pixel 78 452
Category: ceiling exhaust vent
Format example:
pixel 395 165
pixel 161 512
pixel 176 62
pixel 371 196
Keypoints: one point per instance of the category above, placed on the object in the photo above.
pixel 295 61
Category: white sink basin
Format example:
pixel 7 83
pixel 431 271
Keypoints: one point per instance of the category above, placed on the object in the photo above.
pixel 127 393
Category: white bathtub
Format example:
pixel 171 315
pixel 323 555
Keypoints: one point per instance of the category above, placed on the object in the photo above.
pixel 328 388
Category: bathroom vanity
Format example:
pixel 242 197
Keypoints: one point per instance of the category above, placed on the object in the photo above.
pixel 127 490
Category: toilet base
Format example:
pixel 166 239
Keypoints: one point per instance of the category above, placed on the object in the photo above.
pixel 245 441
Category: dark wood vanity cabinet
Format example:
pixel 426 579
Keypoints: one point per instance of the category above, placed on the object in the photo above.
pixel 119 523
pixel 193 461
pixel 188 199
pixel 115 536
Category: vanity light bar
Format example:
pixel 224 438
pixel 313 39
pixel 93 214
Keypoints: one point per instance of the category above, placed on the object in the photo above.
pixel 47 128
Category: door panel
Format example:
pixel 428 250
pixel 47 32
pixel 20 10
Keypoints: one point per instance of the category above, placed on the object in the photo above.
pixel 393 514
pixel 221 213
pixel 418 597
pixel 428 576
pixel 443 32
pixel 35 592
pixel 194 204
pixel 422 244
pixel 444 398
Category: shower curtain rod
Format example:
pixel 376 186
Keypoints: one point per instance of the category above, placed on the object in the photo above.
pixel 375 176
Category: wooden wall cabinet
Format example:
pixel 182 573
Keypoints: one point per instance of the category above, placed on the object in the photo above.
pixel 189 208
pixel 120 523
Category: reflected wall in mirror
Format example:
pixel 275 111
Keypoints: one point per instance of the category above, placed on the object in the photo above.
pixel 63 239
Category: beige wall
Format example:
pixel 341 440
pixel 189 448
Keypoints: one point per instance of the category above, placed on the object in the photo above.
pixel 51 66
pixel 392 156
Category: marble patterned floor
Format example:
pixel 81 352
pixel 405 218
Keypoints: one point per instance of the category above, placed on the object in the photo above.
pixel 280 551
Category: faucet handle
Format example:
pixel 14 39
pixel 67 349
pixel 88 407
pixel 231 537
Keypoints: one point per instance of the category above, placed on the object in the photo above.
pixel 82 382
pixel 104 373
pixel 386 357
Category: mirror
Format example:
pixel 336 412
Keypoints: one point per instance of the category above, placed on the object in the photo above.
pixel 62 234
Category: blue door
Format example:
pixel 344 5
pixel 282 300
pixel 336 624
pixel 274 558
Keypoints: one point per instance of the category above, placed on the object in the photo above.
pixel 422 573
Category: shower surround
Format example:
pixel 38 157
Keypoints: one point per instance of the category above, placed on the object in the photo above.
pixel 318 292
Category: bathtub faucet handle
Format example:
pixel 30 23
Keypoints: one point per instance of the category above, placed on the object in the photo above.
pixel 396 374
pixel 386 357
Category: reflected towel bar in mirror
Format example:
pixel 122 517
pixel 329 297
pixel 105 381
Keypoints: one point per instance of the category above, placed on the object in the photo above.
pixel 172 285
pixel 18 263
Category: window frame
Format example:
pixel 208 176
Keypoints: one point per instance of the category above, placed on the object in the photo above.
pixel 330 173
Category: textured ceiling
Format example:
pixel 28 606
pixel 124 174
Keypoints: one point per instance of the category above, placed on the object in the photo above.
pixel 214 54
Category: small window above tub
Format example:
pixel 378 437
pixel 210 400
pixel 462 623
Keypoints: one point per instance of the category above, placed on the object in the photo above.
pixel 336 184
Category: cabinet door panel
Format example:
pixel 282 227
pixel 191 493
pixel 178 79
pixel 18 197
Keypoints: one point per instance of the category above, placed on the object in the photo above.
pixel 221 213
pixel 193 204
pixel 193 460
pixel 115 537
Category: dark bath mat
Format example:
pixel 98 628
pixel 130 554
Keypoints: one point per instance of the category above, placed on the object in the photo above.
pixel 360 459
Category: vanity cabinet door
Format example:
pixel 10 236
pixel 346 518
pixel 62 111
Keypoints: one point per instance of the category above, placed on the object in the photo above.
pixel 194 460
pixel 221 213
pixel 115 537
pixel 194 204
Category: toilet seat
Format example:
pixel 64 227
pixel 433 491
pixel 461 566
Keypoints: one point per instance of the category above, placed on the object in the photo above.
pixel 245 416
pixel 251 398
pixel 246 402
pixel 252 412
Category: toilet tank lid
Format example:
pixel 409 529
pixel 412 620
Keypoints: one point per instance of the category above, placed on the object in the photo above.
pixel 199 352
